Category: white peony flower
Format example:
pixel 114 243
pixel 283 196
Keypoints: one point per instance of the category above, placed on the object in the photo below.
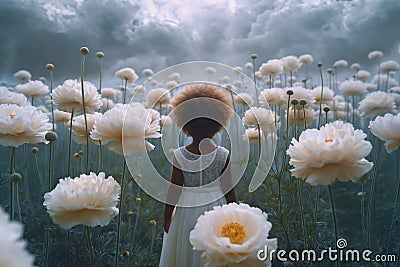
pixel 248 66
pixel 273 67
pixel 309 118
pixel 176 76
pixel 291 63
pixel 340 63
pixel 261 117
pixel 389 65
pixel 243 99
pixel 355 66
pixel 387 128
pixel 22 75
pixel 307 58
pixel 252 135
pixel 20 125
pixel 327 94
pixel 68 97
pixel 79 127
pixel 275 96
pixel 352 87
pixel 148 72
pixel 210 70
pixel 88 199
pixel 336 151
pixel 375 54
pixel 138 124
pixel 110 93
pixel 377 103
pixel 106 104
pixel 8 97
pixel 32 89
pixel 61 116
pixel 158 96
pixel 231 235
pixel 171 84
pixel 370 87
pixel 12 247
pixel 363 75
pixel 127 74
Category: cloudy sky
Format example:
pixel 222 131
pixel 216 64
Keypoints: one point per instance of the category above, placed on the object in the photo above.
pixel 160 33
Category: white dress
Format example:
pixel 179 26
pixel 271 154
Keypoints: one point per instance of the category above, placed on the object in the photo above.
pixel 194 201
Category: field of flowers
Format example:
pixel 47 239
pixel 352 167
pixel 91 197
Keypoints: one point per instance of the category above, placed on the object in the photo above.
pixel 84 169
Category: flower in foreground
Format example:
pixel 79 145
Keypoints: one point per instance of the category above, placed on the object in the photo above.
pixel 377 103
pixel 20 125
pixel 88 199
pixel 132 129
pixel 68 97
pixel 12 247
pixel 387 128
pixel 32 89
pixel 336 151
pixel 232 234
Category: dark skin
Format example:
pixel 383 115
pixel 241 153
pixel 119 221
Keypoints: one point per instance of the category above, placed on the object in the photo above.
pixel 200 145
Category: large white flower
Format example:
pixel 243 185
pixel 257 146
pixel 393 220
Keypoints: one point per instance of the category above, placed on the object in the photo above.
pixel 231 235
pixel 132 129
pixel 306 58
pixel 68 97
pixel 158 96
pixel 375 54
pixel 252 135
pixel 110 93
pixel 32 89
pixel 127 74
pixel 291 63
pixel 387 128
pixel 273 67
pixel 79 127
pixel 20 125
pixel 352 87
pixel 88 199
pixel 8 97
pixel 336 151
pixel 363 75
pixel 327 94
pixel 12 247
pixel 106 104
pixel 148 72
pixel 389 66
pixel 61 116
pixel 275 96
pixel 340 63
pixel 377 103
pixel 263 118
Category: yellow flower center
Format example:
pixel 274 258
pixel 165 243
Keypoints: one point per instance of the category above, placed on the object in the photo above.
pixel 235 232
pixel 12 116
pixel 328 140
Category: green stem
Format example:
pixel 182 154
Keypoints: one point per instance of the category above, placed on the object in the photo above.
pixel 353 115
pixel 333 216
pixel 120 215
pixel 90 245
pixel 255 82
pixel 101 74
pixel 320 100
pixel 51 98
pixel 396 204
pixel 84 113
pixel 39 174
pixel 126 81
pixel 101 156
pixel 153 236
pixel 70 145
pixel 12 184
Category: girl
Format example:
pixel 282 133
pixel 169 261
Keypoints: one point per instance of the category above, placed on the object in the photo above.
pixel 201 175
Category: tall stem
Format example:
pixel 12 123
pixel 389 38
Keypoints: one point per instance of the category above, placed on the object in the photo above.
pixel 320 100
pixel 90 245
pixel 84 112
pixel 51 98
pixel 333 216
pixel 120 215
pixel 126 81
pixel 254 79
pixel 12 184
pixel 70 145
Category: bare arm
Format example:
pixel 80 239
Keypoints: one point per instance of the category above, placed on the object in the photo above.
pixel 173 194
pixel 226 182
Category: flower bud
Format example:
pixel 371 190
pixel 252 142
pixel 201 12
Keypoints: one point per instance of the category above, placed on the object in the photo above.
pixel 76 155
pixel 84 50
pixel 327 109
pixel 138 200
pixel 80 152
pixel 35 150
pixel 125 254
pixel 51 136
pixel 295 102
pixel 99 54
pixel 303 102
pixel 153 222
pixel 253 56
pixel 130 213
pixel 49 66
pixel 15 177
pixel 289 92
pixel 319 64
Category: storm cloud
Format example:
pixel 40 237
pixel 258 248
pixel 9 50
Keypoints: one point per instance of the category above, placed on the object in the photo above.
pixel 160 33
